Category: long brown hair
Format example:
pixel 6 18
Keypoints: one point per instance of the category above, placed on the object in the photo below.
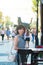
pixel 20 27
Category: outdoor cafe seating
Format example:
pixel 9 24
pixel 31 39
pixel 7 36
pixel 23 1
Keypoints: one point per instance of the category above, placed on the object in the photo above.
pixel 36 55
pixel 26 52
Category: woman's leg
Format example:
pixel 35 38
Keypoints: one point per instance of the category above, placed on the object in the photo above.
pixel 2 37
pixel 7 37
pixel 23 58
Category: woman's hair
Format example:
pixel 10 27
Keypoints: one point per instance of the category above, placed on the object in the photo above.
pixel 20 27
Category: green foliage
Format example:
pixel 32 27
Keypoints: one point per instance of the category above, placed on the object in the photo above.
pixel 21 23
pixel 33 25
pixel 7 20
pixel 34 7
pixel 26 25
pixel 1 18
pixel 1 14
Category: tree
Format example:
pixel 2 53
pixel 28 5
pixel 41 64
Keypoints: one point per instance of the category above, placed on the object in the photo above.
pixel 1 14
pixel 36 10
pixel 1 19
pixel 34 7
pixel 7 21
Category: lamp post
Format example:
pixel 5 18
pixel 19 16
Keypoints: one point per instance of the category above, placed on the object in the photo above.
pixel 36 37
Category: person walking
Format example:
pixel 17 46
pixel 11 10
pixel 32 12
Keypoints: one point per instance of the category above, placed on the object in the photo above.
pixel 8 33
pixel 2 33
pixel 27 38
pixel 13 34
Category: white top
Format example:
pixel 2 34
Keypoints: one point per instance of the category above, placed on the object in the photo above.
pixel 2 31
pixel 25 36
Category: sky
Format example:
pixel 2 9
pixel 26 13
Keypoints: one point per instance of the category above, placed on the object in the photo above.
pixel 17 8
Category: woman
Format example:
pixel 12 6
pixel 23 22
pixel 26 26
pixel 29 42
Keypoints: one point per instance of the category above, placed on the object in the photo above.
pixel 2 33
pixel 27 38
pixel 13 34
pixel 19 41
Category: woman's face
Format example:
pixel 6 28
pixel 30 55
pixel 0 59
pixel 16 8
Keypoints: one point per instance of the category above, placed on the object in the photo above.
pixel 21 31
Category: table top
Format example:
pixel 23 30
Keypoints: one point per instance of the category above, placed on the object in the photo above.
pixel 33 49
pixel 36 49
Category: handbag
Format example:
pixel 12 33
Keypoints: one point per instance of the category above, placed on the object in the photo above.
pixel 12 55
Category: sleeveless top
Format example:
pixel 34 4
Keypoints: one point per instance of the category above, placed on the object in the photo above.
pixel 21 42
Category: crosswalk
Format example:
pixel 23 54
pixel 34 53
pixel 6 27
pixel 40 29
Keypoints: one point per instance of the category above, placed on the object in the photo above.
pixel 5 47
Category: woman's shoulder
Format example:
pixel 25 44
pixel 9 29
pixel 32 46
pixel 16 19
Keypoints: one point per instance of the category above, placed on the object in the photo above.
pixel 16 38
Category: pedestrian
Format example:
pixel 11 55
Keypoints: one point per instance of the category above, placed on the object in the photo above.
pixel 2 33
pixel 8 33
pixel 13 34
pixel 27 38
pixel 33 35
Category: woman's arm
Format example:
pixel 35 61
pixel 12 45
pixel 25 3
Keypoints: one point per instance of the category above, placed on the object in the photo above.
pixel 16 43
